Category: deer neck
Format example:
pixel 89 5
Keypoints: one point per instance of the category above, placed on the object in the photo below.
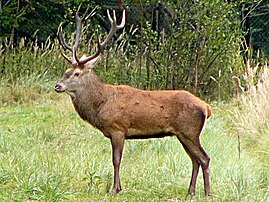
pixel 89 97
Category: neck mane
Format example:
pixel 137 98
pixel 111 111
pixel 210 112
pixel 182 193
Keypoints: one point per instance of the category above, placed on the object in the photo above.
pixel 89 97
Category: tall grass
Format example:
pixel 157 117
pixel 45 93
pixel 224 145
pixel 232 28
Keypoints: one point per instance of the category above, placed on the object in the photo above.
pixel 28 71
pixel 250 116
pixel 30 62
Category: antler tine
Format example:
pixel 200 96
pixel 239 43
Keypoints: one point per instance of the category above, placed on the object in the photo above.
pixel 122 21
pixel 63 43
pixel 114 26
pixel 113 29
pixel 79 23
pixel 96 54
pixel 66 57
pixel 92 13
pixel 78 34
pixel 61 38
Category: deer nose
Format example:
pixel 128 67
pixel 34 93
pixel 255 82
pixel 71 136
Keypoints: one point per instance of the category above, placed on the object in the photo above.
pixel 58 88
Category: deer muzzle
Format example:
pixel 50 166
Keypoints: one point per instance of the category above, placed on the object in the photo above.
pixel 59 88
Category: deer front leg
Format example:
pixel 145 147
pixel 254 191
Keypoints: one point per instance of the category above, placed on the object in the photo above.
pixel 117 141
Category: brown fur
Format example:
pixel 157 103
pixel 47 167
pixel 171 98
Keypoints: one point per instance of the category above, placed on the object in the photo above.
pixel 123 112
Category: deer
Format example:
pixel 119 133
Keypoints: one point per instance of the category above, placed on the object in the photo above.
pixel 122 112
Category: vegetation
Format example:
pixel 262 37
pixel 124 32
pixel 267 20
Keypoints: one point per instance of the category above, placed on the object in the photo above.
pixel 250 117
pixel 193 45
pixel 47 153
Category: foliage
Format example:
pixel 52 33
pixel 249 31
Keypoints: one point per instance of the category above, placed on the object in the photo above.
pixel 191 45
pixel 23 18
pixel 199 44
pixel 19 19
pixel 258 23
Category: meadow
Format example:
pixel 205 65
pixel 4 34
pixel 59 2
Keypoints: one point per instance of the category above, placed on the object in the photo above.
pixel 47 153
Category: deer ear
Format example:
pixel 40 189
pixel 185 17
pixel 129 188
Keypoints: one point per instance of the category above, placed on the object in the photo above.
pixel 91 63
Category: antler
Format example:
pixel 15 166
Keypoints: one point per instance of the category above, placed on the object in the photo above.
pixel 73 49
pixel 100 46
pixel 114 27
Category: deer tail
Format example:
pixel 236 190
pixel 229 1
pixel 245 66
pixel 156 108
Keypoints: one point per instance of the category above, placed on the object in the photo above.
pixel 209 111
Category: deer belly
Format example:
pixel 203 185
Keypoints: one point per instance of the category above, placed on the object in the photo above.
pixel 145 134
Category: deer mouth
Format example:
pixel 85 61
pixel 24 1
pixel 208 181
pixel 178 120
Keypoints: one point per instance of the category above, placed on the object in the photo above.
pixel 59 88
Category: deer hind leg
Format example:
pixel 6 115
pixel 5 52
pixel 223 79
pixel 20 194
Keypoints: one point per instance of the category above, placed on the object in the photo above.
pixel 195 170
pixel 189 135
pixel 199 158
pixel 117 141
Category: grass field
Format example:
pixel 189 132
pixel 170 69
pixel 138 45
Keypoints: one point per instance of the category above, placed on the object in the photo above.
pixel 47 153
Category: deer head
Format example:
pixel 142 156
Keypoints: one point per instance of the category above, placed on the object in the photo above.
pixel 73 77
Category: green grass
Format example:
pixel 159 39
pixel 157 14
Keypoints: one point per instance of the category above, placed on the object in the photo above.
pixel 47 153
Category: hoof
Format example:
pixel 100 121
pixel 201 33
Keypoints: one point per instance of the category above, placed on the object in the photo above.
pixel 189 197
pixel 115 191
pixel 191 193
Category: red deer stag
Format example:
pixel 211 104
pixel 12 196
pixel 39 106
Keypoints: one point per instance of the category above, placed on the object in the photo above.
pixel 122 112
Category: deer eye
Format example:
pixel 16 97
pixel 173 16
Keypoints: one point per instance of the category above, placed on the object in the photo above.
pixel 76 74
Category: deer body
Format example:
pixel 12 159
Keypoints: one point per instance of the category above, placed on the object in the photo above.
pixel 122 112
pixel 137 113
